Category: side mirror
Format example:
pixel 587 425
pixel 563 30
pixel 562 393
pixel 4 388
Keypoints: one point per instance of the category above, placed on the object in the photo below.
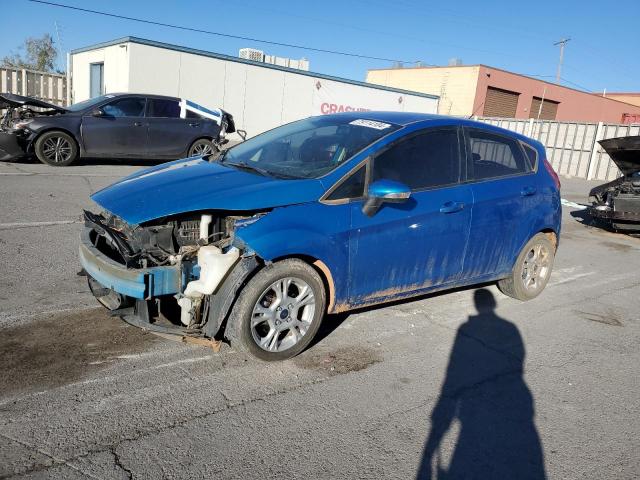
pixel 97 112
pixel 384 191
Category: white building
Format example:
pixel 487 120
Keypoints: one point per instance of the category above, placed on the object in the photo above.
pixel 260 96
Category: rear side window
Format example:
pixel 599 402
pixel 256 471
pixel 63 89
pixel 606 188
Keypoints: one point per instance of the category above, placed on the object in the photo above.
pixel 352 187
pixel 126 107
pixel 426 160
pixel 160 108
pixel 495 156
pixel 191 114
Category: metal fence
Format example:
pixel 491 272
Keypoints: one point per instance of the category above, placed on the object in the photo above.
pixel 572 147
pixel 50 87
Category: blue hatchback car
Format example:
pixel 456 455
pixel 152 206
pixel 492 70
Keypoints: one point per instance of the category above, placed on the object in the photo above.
pixel 320 216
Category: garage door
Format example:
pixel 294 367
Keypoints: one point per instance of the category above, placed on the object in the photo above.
pixel 500 103
pixel 548 111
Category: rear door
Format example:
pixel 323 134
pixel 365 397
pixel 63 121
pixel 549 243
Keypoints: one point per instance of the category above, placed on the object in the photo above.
pixel 120 132
pixel 505 191
pixel 420 243
pixel 169 135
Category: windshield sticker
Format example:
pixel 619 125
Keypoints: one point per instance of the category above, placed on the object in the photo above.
pixel 361 122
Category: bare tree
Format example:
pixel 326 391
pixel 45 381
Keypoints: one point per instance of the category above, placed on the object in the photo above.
pixel 35 54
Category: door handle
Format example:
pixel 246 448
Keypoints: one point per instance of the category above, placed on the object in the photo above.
pixel 194 124
pixel 528 191
pixel 137 124
pixel 451 207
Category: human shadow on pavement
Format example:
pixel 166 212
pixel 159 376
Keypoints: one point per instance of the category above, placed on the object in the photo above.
pixel 485 395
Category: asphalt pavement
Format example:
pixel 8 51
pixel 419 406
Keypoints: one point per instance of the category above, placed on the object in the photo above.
pixel 447 382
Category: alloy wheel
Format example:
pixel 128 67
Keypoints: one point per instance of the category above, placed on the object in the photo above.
pixel 57 149
pixel 201 149
pixel 283 314
pixel 536 267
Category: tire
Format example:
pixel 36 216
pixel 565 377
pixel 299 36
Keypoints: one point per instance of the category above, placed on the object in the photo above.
pixel 201 147
pixel 56 148
pixel 531 271
pixel 284 329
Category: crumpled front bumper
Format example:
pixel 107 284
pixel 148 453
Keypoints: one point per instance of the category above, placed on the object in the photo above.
pixel 142 283
pixel 11 147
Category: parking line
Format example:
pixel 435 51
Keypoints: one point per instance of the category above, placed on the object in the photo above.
pixel 52 174
pixel 569 203
pixel 7 226
pixel 570 278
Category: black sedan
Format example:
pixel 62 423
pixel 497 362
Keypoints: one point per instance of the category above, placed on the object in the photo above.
pixel 110 126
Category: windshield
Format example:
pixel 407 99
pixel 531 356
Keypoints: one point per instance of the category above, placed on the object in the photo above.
pixel 76 107
pixel 307 148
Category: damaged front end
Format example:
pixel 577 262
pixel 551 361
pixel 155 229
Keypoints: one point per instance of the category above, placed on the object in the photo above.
pixel 617 203
pixel 16 114
pixel 176 275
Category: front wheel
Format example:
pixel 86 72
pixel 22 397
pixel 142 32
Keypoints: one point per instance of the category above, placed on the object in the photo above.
pixel 279 311
pixel 531 271
pixel 56 148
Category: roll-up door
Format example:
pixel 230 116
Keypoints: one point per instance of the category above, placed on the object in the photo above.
pixel 548 111
pixel 500 103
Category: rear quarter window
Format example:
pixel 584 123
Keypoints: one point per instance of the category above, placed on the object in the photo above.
pixel 162 108
pixel 532 155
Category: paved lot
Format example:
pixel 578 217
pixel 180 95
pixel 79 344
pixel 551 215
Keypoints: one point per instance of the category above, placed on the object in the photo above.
pixel 548 387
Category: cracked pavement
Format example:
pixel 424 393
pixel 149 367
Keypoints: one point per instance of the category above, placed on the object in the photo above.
pixel 83 395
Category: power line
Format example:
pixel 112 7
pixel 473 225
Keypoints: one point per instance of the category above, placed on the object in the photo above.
pixel 227 35
pixel 577 85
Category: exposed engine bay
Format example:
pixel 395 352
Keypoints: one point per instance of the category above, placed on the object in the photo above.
pixel 197 247
pixel 617 203
pixel 16 110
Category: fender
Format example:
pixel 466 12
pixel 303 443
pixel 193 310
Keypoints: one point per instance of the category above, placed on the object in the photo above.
pixel 291 231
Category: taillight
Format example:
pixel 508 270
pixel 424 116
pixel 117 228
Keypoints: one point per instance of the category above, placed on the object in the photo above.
pixel 553 173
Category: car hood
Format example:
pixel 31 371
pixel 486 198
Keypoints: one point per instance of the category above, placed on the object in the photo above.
pixel 11 100
pixel 625 153
pixel 196 184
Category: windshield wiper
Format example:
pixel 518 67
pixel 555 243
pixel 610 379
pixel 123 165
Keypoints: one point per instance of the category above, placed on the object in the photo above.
pixel 250 168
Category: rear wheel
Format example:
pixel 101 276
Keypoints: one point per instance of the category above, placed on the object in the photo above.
pixel 56 148
pixel 279 311
pixel 531 271
pixel 201 147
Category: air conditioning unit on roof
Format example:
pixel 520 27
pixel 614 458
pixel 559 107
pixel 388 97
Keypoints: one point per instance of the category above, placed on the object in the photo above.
pixel 252 54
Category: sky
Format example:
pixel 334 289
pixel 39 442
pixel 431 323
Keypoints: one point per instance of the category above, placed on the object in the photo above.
pixel 512 35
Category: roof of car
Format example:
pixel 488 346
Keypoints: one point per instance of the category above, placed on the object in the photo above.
pixel 138 94
pixel 398 118
pixel 407 118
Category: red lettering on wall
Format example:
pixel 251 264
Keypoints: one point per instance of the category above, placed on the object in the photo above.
pixel 326 108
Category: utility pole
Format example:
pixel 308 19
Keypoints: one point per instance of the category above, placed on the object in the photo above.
pixel 59 45
pixel 562 43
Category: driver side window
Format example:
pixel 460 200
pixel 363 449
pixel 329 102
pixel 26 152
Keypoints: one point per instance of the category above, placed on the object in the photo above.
pixel 125 107
pixel 427 160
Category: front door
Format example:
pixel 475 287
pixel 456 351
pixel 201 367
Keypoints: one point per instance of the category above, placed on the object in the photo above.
pixel 120 132
pixel 419 244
